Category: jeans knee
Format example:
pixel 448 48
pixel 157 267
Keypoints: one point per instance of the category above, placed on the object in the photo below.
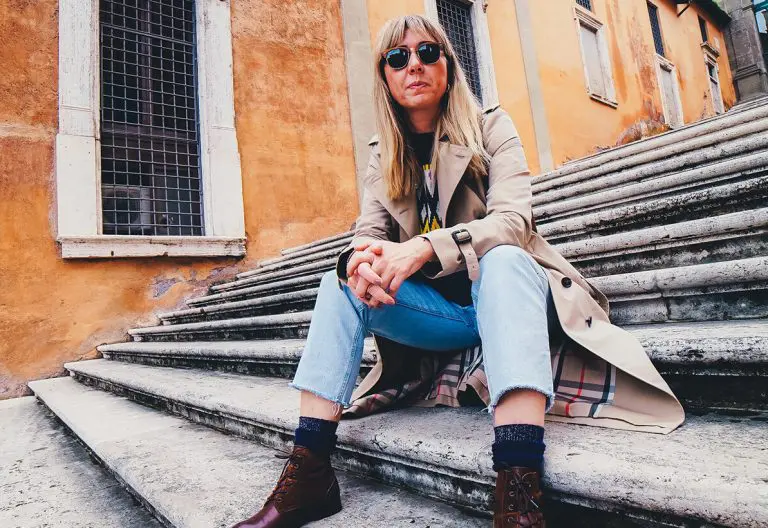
pixel 504 255
pixel 329 279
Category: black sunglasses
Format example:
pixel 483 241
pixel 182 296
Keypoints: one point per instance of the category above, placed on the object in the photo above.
pixel 397 58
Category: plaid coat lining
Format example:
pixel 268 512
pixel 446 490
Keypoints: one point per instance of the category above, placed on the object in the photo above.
pixel 578 377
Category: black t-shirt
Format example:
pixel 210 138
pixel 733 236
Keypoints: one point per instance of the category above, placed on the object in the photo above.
pixel 457 286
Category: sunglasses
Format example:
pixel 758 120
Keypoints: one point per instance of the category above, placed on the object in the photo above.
pixel 398 58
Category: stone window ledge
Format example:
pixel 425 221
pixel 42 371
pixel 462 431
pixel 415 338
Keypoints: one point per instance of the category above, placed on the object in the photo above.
pixel 113 246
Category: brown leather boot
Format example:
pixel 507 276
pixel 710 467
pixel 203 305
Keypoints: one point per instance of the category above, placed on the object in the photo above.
pixel 306 491
pixel 518 499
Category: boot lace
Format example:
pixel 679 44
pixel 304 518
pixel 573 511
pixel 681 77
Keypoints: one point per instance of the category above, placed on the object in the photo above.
pixel 288 476
pixel 520 488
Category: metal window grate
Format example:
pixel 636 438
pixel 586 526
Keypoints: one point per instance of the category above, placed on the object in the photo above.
pixel 653 14
pixel 586 4
pixel 456 19
pixel 150 174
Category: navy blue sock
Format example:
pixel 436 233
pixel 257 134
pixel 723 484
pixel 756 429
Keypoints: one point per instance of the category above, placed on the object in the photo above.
pixel 316 434
pixel 518 445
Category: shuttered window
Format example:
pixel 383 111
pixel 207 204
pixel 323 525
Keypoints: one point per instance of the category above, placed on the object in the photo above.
pixel 586 4
pixel 150 171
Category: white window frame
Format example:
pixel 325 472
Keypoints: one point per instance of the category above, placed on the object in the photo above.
pixel 711 55
pixel 78 142
pixel 586 18
pixel 662 63
pixel 489 92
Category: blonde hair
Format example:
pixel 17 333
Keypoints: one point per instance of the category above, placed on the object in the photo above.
pixel 459 116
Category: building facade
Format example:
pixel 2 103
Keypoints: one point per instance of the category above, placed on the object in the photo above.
pixel 150 148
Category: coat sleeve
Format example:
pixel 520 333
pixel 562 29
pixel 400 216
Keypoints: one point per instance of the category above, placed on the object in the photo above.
pixel 508 217
pixel 374 222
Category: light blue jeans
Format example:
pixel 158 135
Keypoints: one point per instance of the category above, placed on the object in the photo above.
pixel 511 314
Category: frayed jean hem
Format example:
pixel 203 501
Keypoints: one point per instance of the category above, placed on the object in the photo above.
pixel 549 395
pixel 340 403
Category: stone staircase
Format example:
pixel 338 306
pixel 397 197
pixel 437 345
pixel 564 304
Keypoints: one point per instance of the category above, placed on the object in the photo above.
pixel 672 228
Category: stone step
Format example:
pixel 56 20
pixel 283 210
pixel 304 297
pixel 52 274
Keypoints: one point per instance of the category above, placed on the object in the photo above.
pixel 292 262
pixel 710 365
pixel 727 162
pixel 291 284
pixel 318 242
pixel 261 305
pixel 445 453
pixel 48 478
pixel 695 203
pixel 338 245
pixel 273 276
pixel 730 289
pixel 192 476
pixel 702 134
pixel 268 357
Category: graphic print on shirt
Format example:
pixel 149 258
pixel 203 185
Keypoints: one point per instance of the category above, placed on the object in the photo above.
pixel 427 200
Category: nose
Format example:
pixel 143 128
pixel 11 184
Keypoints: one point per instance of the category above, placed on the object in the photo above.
pixel 414 64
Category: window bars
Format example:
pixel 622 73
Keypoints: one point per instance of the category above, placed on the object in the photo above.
pixel 150 173
pixel 456 18
pixel 586 4
pixel 653 14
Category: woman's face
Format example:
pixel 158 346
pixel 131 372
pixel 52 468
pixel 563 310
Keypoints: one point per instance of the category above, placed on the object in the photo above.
pixel 417 86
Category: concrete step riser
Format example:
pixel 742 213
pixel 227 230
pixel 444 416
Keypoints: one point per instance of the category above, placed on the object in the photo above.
pixel 720 159
pixel 731 388
pixel 322 255
pixel 296 331
pixel 290 273
pixel 677 142
pixel 338 246
pixel 459 489
pixel 269 288
pixel 685 253
pixel 642 187
pixel 316 243
pixel 696 204
pixel 699 304
pixel 250 311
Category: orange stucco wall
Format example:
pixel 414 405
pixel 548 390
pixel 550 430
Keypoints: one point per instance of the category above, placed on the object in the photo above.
pixel 580 125
pixel 295 144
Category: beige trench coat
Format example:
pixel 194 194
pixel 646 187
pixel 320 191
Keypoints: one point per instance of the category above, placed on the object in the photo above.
pixel 642 400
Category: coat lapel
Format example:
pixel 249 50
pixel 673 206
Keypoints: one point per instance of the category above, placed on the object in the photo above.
pixel 451 164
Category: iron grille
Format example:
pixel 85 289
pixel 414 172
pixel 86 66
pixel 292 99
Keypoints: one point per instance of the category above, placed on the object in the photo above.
pixel 150 174
pixel 586 4
pixel 456 18
pixel 653 14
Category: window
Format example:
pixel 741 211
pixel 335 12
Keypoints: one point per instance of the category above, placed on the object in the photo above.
pixel 714 86
pixel 586 4
pixel 670 92
pixel 147 160
pixel 594 53
pixel 456 18
pixel 653 13
pixel 150 176
pixel 703 29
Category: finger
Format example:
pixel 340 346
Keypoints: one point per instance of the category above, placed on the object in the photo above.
pixel 352 281
pixel 394 286
pixel 386 281
pixel 354 262
pixel 376 248
pixel 362 287
pixel 365 271
pixel 380 295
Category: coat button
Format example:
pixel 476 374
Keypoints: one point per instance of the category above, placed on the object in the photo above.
pixel 566 281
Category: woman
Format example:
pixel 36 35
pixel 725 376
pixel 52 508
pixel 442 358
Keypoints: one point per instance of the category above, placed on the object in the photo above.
pixel 446 256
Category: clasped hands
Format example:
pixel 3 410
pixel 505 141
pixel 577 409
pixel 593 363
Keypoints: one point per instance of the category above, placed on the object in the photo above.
pixel 378 268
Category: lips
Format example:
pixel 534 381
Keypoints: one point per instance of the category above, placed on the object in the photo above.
pixel 417 84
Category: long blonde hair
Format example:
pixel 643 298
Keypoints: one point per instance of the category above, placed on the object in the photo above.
pixel 459 116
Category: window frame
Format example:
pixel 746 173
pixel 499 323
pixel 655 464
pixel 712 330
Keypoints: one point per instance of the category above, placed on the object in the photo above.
pixel 587 19
pixel 662 63
pixel 488 89
pixel 78 142
pixel 710 59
